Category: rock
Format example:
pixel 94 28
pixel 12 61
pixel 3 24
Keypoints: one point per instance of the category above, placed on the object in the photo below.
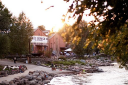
pixel 33 82
pixel 5 82
pixel 46 81
pixel 11 83
pixel 39 78
pixel 49 78
pixel 36 74
pixel 51 74
pixel 31 72
pixel 40 82
pixel 34 77
pixel 29 77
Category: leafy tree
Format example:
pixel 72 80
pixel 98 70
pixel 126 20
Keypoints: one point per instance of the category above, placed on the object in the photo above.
pixel 81 35
pixel 114 12
pixel 5 18
pixel 65 32
pixel 117 45
pixel 111 32
pixel 42 27
pixel 5 21
pixel 20 34
pixel 76 36
pixel 4 45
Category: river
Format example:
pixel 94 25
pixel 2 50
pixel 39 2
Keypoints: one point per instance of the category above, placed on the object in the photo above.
pixel 112 75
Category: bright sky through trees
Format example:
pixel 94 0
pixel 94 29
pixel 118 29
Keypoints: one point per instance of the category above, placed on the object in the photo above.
pixel 37 13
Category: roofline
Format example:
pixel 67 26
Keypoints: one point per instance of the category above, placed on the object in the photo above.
pixel 41 31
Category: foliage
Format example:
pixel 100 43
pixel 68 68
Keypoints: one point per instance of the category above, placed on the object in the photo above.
pixel 48 54
pixel 68 62
pixel 117 45
pixel 65 32
pixel 114 12
pixel 110 34
pixel 80 37
pixel 20 34
pixel 5 18
pixel 5 21
pixel 4 45
pixel 42 27
pixel 77 35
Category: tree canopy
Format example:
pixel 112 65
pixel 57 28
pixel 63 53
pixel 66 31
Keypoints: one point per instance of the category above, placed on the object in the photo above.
pixel 110 34
pixel 42 27
pixel 76 36
pixel 5 18
pixel 5 21
pixel 114 12
pixel 20 34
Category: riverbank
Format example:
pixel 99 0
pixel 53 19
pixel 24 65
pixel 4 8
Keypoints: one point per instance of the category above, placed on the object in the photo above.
pixel 91 66
pixel 112 75
pixel 30 67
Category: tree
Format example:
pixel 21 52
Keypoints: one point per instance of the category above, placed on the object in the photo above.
pixel 42 27
pixel 5 21
pixel 65 32
pixel 20 34
pixel 76 36
pixel 4 45
pixel 114 12
pixel 5 18
pixel 81 37
pixel 110 29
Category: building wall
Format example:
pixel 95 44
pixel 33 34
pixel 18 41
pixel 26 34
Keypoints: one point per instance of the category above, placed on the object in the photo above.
pixel 37 48
pixel 56 42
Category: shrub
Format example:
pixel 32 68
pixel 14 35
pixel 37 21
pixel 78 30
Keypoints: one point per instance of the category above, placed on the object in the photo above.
pixel 48 54
pixel 68 62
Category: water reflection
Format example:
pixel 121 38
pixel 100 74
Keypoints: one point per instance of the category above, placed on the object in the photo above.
pixel 112 75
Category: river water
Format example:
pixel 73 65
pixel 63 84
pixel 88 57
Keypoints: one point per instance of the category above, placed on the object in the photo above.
pixel 112 75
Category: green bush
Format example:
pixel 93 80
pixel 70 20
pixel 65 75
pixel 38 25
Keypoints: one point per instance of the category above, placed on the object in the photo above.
pixel 68 62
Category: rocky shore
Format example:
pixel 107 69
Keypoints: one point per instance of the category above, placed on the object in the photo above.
pixel 43 77
pixel 91 65
pixel 33 78
pixel 10 70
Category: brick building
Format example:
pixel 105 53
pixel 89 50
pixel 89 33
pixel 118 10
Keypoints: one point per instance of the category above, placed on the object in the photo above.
pixel 42 42
pixel 56 43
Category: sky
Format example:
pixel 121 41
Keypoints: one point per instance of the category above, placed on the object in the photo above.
pixel 37 13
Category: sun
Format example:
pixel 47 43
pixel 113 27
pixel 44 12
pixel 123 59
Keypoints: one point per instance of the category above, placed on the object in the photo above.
pixel 57 27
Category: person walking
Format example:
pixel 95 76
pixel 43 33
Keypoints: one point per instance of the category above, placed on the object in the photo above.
pixel 15 59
